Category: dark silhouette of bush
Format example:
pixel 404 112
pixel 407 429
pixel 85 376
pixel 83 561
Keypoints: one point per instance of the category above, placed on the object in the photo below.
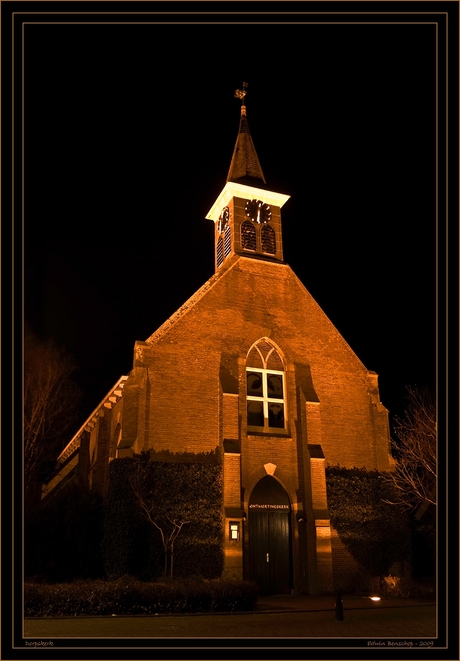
pixel 62 540
pixel 376 533
pixel 129 596
pixel 175 490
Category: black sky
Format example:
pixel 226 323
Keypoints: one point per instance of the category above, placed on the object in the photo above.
pixel 128 135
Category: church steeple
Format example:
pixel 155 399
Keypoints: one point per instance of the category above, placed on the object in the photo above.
pixel 246 215
pixel 245 167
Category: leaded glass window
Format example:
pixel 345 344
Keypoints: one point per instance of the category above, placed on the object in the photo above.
pixel 265 388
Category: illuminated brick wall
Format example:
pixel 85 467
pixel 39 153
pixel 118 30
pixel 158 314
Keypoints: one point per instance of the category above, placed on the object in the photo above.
pixel 177 406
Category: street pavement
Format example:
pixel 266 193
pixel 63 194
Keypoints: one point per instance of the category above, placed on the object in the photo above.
pixel 305 620
pixel 290 602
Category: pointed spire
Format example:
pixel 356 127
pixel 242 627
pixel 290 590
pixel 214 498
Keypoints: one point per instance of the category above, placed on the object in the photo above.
pixel 245 167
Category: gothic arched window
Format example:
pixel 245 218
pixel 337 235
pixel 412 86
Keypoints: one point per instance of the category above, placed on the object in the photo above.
pixel 265 388
pixel 268 239
pixel 248 236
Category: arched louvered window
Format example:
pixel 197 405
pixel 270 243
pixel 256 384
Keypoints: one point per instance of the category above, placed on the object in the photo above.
pixel 265 389
pixel 227 241
pixel 248 236
pixel 220 251
pixel 268 240
pixel 224 241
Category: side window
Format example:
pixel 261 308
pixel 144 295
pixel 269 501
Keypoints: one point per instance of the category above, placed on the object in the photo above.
pixel 265 388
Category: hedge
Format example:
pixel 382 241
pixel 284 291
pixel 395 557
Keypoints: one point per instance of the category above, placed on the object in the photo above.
pixel 128 596
pixel 183 491
pixel 376 533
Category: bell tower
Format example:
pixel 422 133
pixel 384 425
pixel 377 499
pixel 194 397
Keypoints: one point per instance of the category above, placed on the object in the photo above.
pixel 246 215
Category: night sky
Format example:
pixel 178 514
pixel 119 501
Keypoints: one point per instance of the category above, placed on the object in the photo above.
pixel 128 136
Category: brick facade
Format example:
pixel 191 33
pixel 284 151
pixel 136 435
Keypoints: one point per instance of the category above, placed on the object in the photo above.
pixel 187 392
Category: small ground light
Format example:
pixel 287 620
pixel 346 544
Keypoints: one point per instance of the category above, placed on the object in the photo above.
pixel 374 598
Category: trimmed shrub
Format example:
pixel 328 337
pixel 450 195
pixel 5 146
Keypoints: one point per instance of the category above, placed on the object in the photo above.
pixel 187 491
pixel 121 523
pixel 128 596
pixel 375 533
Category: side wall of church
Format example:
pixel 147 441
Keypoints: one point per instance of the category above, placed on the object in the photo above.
pixel 102 445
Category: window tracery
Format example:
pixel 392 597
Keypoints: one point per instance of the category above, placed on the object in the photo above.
pixel 265 388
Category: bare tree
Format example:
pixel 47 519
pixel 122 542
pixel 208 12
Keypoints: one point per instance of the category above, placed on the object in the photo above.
pixel 169 528
pixel 414 449
pixel 50 400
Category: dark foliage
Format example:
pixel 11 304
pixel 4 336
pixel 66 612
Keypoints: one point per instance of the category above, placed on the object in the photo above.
pixel 376 533
pixel 128 596
pixel 122 539
pixel 62 541
pixel 50 408
pixel 424 552
pixel 183 457
pixel 180 491
pixel 415 452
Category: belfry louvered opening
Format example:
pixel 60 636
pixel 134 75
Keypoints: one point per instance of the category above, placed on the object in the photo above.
pixel 268 239
pixel 248 236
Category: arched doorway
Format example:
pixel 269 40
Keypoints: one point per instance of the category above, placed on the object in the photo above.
pixel 270 537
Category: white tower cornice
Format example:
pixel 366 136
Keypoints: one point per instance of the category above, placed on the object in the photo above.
pixel 232 189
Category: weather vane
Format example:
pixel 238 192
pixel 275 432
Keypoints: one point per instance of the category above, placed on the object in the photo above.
pixel 240 94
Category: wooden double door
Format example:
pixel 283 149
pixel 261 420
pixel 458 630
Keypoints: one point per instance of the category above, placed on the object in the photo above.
pixel 270 538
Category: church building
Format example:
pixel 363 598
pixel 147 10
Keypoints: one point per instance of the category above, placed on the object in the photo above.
pixel 251 366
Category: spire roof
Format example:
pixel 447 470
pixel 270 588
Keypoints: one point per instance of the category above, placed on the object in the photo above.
pixel 245 167
pixel 245 178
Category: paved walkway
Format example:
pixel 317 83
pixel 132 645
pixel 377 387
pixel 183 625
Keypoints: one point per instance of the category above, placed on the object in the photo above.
pixel 287 602
pixel 306 618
